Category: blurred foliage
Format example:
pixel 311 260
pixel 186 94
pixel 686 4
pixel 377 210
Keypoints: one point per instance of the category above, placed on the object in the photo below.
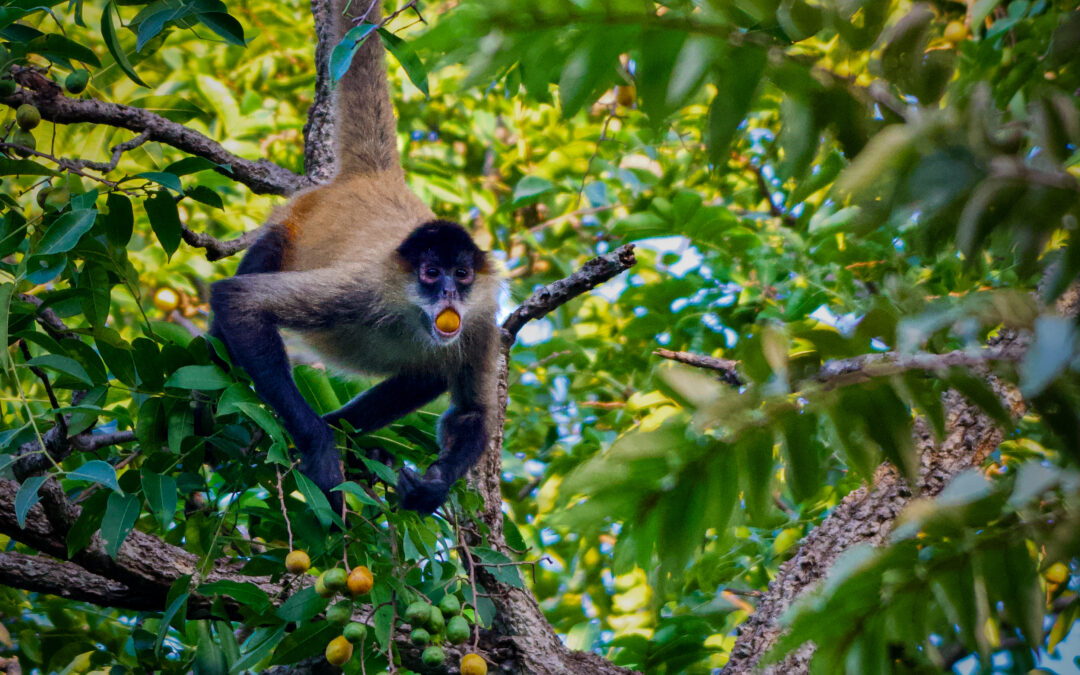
pixel 805 181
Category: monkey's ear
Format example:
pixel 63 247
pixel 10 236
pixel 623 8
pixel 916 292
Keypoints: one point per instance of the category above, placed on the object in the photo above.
pixel 480 261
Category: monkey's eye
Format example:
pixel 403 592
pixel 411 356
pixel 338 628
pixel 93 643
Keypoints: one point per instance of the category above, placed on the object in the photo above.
pixel 463 274
pixel 430 274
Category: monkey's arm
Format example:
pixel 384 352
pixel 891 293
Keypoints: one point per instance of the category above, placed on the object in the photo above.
pixel 248 310
pixel 463 436
pixel 392 398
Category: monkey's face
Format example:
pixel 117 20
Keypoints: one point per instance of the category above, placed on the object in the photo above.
pixel 445 262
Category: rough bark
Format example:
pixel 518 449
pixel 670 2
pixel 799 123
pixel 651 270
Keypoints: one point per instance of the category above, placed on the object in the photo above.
pixel 262 176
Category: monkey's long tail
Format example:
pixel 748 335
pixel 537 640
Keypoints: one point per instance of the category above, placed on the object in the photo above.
pixel 366 128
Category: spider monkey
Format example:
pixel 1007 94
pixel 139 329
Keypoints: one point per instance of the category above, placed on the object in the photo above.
pixel 375 283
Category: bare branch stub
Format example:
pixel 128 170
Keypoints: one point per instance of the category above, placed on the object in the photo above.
pixel 727 368
pixel 592 274
pixel 217 249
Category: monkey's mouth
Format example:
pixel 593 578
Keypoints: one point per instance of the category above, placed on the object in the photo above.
pixel 447 324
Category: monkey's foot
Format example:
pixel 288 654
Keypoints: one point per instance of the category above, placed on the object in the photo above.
pixel 422 495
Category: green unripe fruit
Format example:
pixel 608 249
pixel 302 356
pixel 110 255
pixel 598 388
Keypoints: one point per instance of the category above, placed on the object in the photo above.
pixel 25 139
pixel 436 621
pixel 449 605
pixel 335 579
pixel 57 198
pixel 355 632
pixel 457 630
pixel 417 613
pixel 76 81
pixel 433 656
pixel 7 87
pixel 419 636
pixel 321 589
pixel 27 117
pixel 340 612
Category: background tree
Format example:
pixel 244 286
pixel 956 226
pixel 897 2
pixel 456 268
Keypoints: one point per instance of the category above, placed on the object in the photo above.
pixel 830 418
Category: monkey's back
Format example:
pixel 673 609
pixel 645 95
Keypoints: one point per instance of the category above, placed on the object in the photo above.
pixel 355 222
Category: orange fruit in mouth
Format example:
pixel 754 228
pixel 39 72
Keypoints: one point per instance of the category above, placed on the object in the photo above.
pixel 448 321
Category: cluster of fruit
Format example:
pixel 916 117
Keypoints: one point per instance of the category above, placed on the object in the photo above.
pixel 27 116
pixel 433 624
pixel 430 624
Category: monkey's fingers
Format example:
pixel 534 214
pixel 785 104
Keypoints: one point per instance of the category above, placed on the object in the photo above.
pixel 423 495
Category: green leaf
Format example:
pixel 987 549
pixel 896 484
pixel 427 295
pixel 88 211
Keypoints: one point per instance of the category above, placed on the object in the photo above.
pixel 801 452
pixel 499 566
pixel 166 619
pixel 61 364
pixel 205 195
pixel 162 178
pixel 97 471
pixel 23 167
pixel 6 291
pixel 737 81
pixel 65 233
pixel 408 59
pixel 981 10
pixel 189 165
pixel 164 220
pixel 315 499
pixel 120 220
pixel 120 515
pixel 56 47
pixel 108 33
pixel 1049 355
pixel 530 188
pixel 244 592
pixel 202 378
pixel 257 647
pixel 224 25
pixel 304 642
pixel 302 605
pixel 160 493
pixel 342 55
pixel 27 496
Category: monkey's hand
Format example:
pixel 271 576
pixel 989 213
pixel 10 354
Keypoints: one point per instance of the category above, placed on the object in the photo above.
pixel 423 495
pixel 319 461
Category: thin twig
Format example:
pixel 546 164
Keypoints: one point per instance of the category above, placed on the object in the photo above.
pixel 726 367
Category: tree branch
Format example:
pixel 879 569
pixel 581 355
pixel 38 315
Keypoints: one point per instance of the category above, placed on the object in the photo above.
pixel 55 577
pixel 726 367
pixel 217 249
pixel 592 274
pixel 319 149
pixel 262 176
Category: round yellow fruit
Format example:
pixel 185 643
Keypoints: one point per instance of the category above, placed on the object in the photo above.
pixel 166 299
pixel 473 664
pixel 339 651
pixel 448 321
pixel 297 562
pixel 956 32
pixel 360 580
pixel 1057 573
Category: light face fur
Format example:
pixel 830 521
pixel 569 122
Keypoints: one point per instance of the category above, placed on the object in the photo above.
pixel 362 269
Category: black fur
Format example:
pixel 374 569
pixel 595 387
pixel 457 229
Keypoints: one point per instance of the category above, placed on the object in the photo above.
pixel 447 242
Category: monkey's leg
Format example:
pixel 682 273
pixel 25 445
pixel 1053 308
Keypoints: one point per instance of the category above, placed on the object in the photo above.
pixel 463 438
pixel 248 311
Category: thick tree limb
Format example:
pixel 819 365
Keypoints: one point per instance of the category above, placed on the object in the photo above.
pixel 319 147
pixel 68 580
pixel 537 649
pixel 262 176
